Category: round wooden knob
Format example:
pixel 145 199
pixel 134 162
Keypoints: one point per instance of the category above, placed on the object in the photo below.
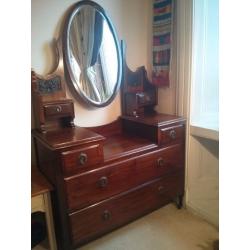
pixel 160 162
pixel 83 158
pixel 103 182
pixel 106 215
pixel 172 134
pixel 58 109
pixel 161 189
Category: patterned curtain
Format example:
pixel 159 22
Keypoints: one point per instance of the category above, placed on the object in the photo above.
pixel 162 34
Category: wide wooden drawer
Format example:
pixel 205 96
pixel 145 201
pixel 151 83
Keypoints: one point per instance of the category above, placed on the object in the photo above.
pixel 81 158
pixel 100 218
pixel 170 135
pixel 93 186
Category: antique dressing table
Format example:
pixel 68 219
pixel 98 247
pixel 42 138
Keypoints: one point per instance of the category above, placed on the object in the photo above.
pixel 109 175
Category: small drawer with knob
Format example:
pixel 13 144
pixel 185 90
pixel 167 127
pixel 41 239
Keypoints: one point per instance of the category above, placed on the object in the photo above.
pixel 57 110
pixel 170 135
pixel 123 208
pixel 81 159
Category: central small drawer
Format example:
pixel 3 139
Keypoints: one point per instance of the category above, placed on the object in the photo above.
pixel 96 220
pixel 93 186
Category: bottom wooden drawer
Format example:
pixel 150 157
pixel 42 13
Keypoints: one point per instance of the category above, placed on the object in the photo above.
pixel 98 219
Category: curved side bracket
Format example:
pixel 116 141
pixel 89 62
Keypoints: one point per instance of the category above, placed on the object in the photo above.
pixel 51 108
pixel 139 96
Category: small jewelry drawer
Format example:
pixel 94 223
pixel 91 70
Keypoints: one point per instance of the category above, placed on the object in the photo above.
pixel 123 208
pixel 82 158
pixel 170 135
pixel 58 109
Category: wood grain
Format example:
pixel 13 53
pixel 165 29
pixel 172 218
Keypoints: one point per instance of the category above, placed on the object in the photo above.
pixel 86 189
pixel 96 220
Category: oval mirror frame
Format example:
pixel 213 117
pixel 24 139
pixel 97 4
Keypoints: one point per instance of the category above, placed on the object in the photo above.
pixel 65 40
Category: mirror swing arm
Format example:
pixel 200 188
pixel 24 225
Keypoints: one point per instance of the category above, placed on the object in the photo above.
pixel 138 94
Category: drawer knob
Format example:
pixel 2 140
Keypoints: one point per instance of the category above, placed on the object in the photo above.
pixel 103 182
pixel 172 134
pixel 160 162
pixel 83 158
pixel 106 215
pixel 58 109
pixel 161 189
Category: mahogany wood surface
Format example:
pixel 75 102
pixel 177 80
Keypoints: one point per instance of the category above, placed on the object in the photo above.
pixel 154 128
pixel 113 172
pixel 56 110
pixel 172 134
pixel 113 175
pixel 47 161
pixel 155 119
pixel 99 184
pixel 124 145
pixel 65 137
pixel 93 221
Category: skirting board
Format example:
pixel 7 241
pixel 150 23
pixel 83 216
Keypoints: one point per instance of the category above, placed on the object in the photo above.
pixel 202 214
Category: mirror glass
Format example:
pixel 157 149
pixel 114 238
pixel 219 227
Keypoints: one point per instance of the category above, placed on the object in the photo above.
pixel 93 55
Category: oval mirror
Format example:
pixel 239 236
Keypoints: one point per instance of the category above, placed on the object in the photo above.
pixel 92 53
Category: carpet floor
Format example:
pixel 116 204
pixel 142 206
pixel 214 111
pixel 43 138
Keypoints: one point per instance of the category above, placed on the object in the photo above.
pixel 165 229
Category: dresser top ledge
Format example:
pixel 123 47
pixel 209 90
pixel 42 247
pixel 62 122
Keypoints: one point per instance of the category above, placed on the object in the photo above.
pixel 156 119
pixel 65 137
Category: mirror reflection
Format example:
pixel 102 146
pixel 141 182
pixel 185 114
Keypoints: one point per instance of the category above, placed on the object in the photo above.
pixel 92 55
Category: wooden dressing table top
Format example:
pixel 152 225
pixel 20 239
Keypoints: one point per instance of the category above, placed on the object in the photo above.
pixel 64 137
pixel 39 184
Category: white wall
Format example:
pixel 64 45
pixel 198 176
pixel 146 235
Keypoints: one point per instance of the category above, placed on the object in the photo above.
pixel 202 156
pixel 203 178
pixel 132 21
pixel 167 95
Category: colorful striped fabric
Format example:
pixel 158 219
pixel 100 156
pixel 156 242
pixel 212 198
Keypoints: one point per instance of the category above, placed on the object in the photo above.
pixel 162 33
